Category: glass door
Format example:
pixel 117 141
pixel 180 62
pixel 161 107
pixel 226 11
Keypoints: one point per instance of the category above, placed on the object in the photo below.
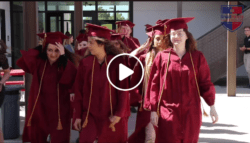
pixel 55 22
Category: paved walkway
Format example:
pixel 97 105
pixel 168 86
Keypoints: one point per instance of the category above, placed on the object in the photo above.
pixel 233 125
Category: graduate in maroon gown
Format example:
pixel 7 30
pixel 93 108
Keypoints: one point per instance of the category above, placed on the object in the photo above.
pixel 125 27
pixel 144 131
pixel 54 70
pixel 81 44
pixel 101 110
pixel 172 94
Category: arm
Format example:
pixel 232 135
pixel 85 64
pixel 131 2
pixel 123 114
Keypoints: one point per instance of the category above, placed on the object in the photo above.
pixel 135 94
pixel 153 88
pixel 78 91
pixel 123 108
pixel 6 70
pixel 207 89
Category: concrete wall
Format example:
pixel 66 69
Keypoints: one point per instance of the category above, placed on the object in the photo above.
pixel 207 16
pixel 6 6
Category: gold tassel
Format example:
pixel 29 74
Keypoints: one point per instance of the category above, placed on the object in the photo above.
pixel 29 123
pixel 59 127
pixel 205 113
pixel 44 40
pixel 86 119
pixel 140 108
pixel 33 110
pixel 85 123
pixel 165 28
pixel 197 86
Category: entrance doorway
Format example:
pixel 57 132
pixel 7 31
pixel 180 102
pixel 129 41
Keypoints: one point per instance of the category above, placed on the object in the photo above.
pixel 60 21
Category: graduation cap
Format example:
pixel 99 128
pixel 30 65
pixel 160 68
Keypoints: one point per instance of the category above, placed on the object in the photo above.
pixel 178 23
pixel 98 31
pixel 148 26
pixel 116 36
pixel 52 38
pixel 157 30
pixel 161 21
pixel 81 37
pixel 125 23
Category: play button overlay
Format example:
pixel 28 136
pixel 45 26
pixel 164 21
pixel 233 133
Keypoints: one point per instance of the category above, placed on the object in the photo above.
pixel 124 71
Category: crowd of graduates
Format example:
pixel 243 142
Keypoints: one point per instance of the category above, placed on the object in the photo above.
pixel 70 89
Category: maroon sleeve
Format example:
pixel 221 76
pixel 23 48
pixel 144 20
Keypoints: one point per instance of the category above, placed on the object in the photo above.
pixel 69 74
pixel 153 88
pixel 78 91
pixel 135 94
pixel 29 60
pixel 207 89
pixel 123 108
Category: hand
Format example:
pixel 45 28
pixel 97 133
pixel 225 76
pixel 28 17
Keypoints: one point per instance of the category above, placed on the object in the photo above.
pixel 142 47
pixel 154 118
pixel 60 47
pixel 243 48
pixel 72 97
pixel 114 120
pixel 77 124
pixel 213 114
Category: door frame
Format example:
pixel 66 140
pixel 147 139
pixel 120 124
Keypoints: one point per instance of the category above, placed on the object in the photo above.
pixel 57 14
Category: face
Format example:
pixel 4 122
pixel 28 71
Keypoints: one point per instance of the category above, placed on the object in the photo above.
pixel 158 40
pixel 178 36
pixel 93 46
pixel 52 53
pixel 71 39
pixel 82 45
pixel 247 31
pixel 125 30
pixel 116 43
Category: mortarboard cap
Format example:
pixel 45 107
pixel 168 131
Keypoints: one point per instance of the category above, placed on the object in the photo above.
pixel 148 26
pixel 81 37
pixel 178 23
pixel 52 37
pixel 116 36
pixel 125 23
pixel 98 31
pixel 161 21
pixel 157 30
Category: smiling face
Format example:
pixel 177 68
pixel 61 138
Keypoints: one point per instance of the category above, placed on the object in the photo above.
pixel 52 53
pixel 178 37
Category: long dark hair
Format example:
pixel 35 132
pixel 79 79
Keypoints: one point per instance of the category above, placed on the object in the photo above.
pixel 3 46
pixel 74 58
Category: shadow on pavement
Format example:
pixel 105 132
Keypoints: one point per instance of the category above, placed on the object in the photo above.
pixel 209 140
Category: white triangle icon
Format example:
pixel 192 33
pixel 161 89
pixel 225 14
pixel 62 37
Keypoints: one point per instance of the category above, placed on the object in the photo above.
pixel 124 72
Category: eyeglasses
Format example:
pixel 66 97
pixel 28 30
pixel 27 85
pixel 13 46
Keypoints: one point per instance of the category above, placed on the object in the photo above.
pixel 179 34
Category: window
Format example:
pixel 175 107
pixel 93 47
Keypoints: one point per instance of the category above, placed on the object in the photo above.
pixel 60 6
pixel 106 13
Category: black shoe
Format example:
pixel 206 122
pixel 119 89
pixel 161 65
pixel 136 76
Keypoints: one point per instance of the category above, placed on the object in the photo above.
pixel 133 110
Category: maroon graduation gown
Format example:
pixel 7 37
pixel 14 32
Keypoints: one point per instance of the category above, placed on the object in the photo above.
pixel 45 118
pixel 81 52
pixel 136 41
pixel 143 117
pixel 99 113
pixel 180 110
